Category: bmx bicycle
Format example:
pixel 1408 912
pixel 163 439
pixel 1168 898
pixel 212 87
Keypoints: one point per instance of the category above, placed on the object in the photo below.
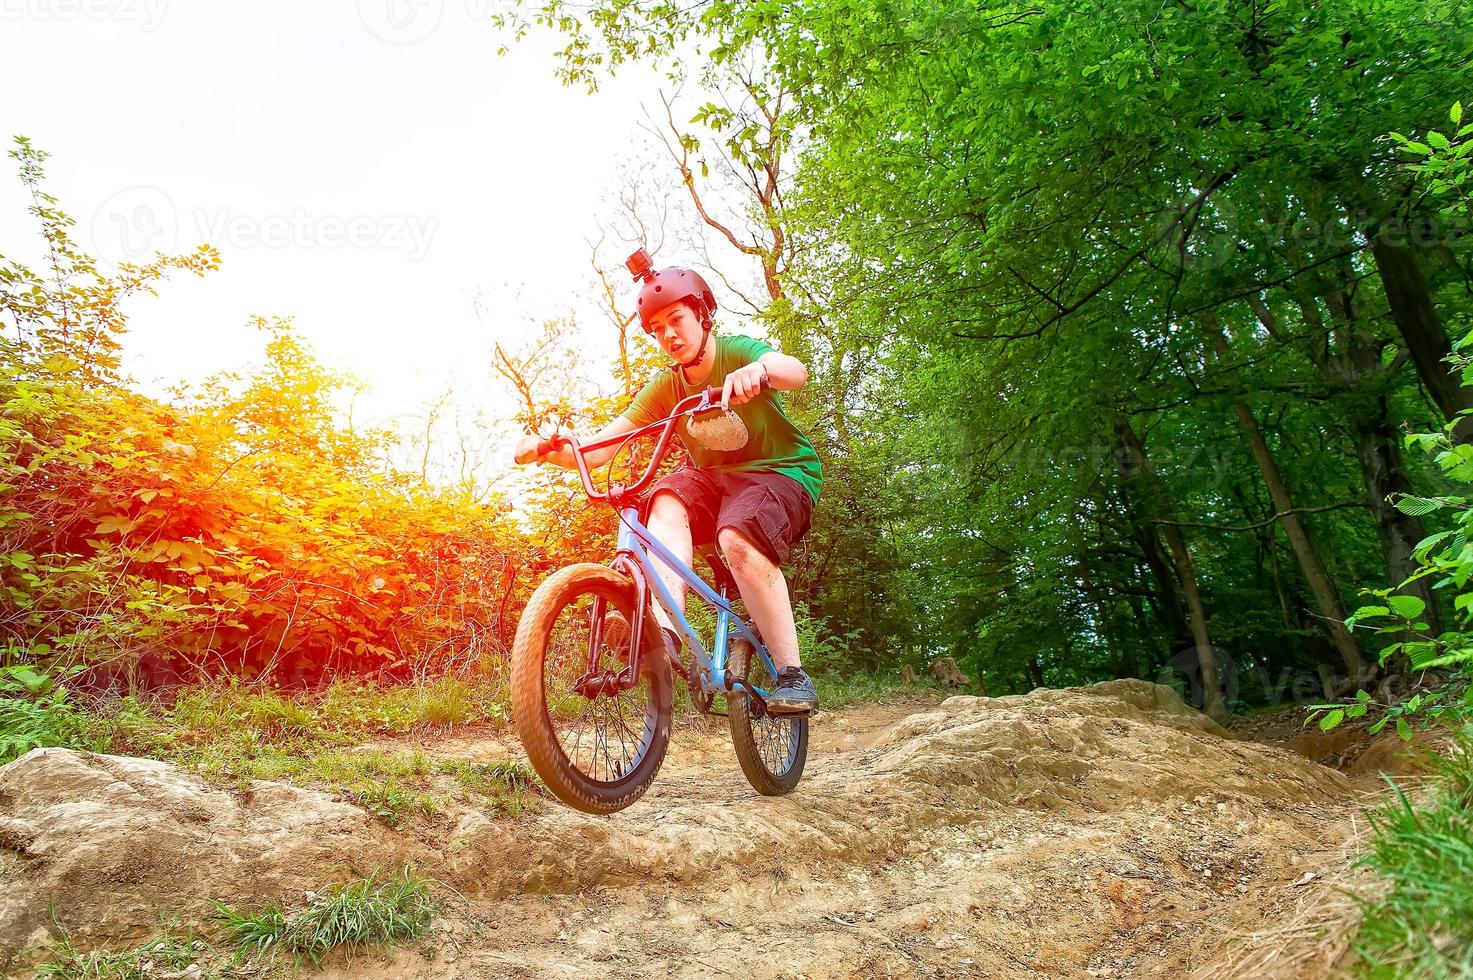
pixel 592 685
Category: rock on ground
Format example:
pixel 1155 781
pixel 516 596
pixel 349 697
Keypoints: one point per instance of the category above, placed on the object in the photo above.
pixel 109 842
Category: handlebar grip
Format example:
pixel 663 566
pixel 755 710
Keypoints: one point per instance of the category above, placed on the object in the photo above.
pixel 550 444
pixel 713 395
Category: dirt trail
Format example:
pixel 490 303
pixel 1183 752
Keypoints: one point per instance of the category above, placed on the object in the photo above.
pixel 1105 831
pixel 1071 833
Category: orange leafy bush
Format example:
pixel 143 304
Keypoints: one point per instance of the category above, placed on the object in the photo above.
pixel 238 529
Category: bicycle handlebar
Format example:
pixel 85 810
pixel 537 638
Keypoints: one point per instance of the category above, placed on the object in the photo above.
pixel 688 407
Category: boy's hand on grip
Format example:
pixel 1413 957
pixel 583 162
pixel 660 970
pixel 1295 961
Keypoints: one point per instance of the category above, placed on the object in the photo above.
pixel 743 384
pixel 529 450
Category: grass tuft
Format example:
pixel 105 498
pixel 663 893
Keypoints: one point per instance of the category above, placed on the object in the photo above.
pixel 360 913
pixel 169 952
pixel 852 688
pixel 238 733
pixel 1423 925
pixel 510 786
pixel 392 804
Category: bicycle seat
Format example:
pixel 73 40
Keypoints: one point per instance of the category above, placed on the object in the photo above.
pixel 720 574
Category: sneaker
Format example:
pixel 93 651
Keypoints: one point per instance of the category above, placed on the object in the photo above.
pixel 616 634
pixel 616 637
pixel 795 692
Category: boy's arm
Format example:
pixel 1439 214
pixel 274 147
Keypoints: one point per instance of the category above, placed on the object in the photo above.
pixel 527 449
pixel 785 371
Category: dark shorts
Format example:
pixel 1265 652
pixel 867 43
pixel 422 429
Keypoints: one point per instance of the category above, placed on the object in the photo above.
pixel 769 509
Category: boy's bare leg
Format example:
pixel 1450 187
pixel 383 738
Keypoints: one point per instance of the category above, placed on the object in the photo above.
pixel 669 522
pixel 765 591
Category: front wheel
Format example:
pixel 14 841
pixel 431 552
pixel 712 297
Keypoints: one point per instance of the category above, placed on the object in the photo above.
pixel 596 743
pixel 771 748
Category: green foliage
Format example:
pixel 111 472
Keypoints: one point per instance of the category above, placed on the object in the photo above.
pixel 1422 926
pixel 1019 233
pixel 822 649
pixel 1444 165
pixel 36 712
pixel 1444 558
pixel 363 912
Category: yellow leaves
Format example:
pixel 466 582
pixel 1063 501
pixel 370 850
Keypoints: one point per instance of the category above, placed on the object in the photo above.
pixel 232 592
pixel 178 450
pixel 158 551
pixel 293 538
pixel 116 524
pixel 191 557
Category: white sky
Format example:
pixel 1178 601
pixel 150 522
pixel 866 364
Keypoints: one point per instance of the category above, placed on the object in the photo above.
pixel 367 167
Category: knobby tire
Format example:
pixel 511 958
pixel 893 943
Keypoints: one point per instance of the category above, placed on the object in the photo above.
pixel 568 589
pixel 773 749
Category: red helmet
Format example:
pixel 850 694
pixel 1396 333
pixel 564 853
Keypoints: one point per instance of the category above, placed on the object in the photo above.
pixel 672 285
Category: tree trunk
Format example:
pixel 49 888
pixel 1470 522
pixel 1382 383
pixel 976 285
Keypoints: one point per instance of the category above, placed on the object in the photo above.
pixel 1380 460
pixel 1171 606
pixel 1410 300
pixel 1112 648
pixel 1186 572
pixel 1167 603
pixel 1326 595
pixel 1357 364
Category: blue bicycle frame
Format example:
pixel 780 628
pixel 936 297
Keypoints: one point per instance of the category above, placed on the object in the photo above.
pixel 638 550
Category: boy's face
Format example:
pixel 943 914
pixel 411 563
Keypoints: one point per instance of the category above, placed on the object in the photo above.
pixel 678 330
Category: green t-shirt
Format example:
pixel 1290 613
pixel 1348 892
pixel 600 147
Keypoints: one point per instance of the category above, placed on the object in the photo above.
pixel 774 444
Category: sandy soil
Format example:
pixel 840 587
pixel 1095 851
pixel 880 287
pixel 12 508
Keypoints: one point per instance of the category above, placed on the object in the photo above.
pixel 1095 832
pixel 1063 834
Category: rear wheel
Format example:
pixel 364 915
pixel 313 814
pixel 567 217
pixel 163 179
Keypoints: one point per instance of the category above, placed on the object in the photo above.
pixel 597 741
pixel 772 749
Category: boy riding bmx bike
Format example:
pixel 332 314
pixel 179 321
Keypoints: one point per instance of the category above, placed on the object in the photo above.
pixel 752 496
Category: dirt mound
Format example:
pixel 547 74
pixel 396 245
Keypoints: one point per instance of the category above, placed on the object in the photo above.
pixel 1085 832
pixel 1349 747
pixel 109 842
pixel 1107 831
